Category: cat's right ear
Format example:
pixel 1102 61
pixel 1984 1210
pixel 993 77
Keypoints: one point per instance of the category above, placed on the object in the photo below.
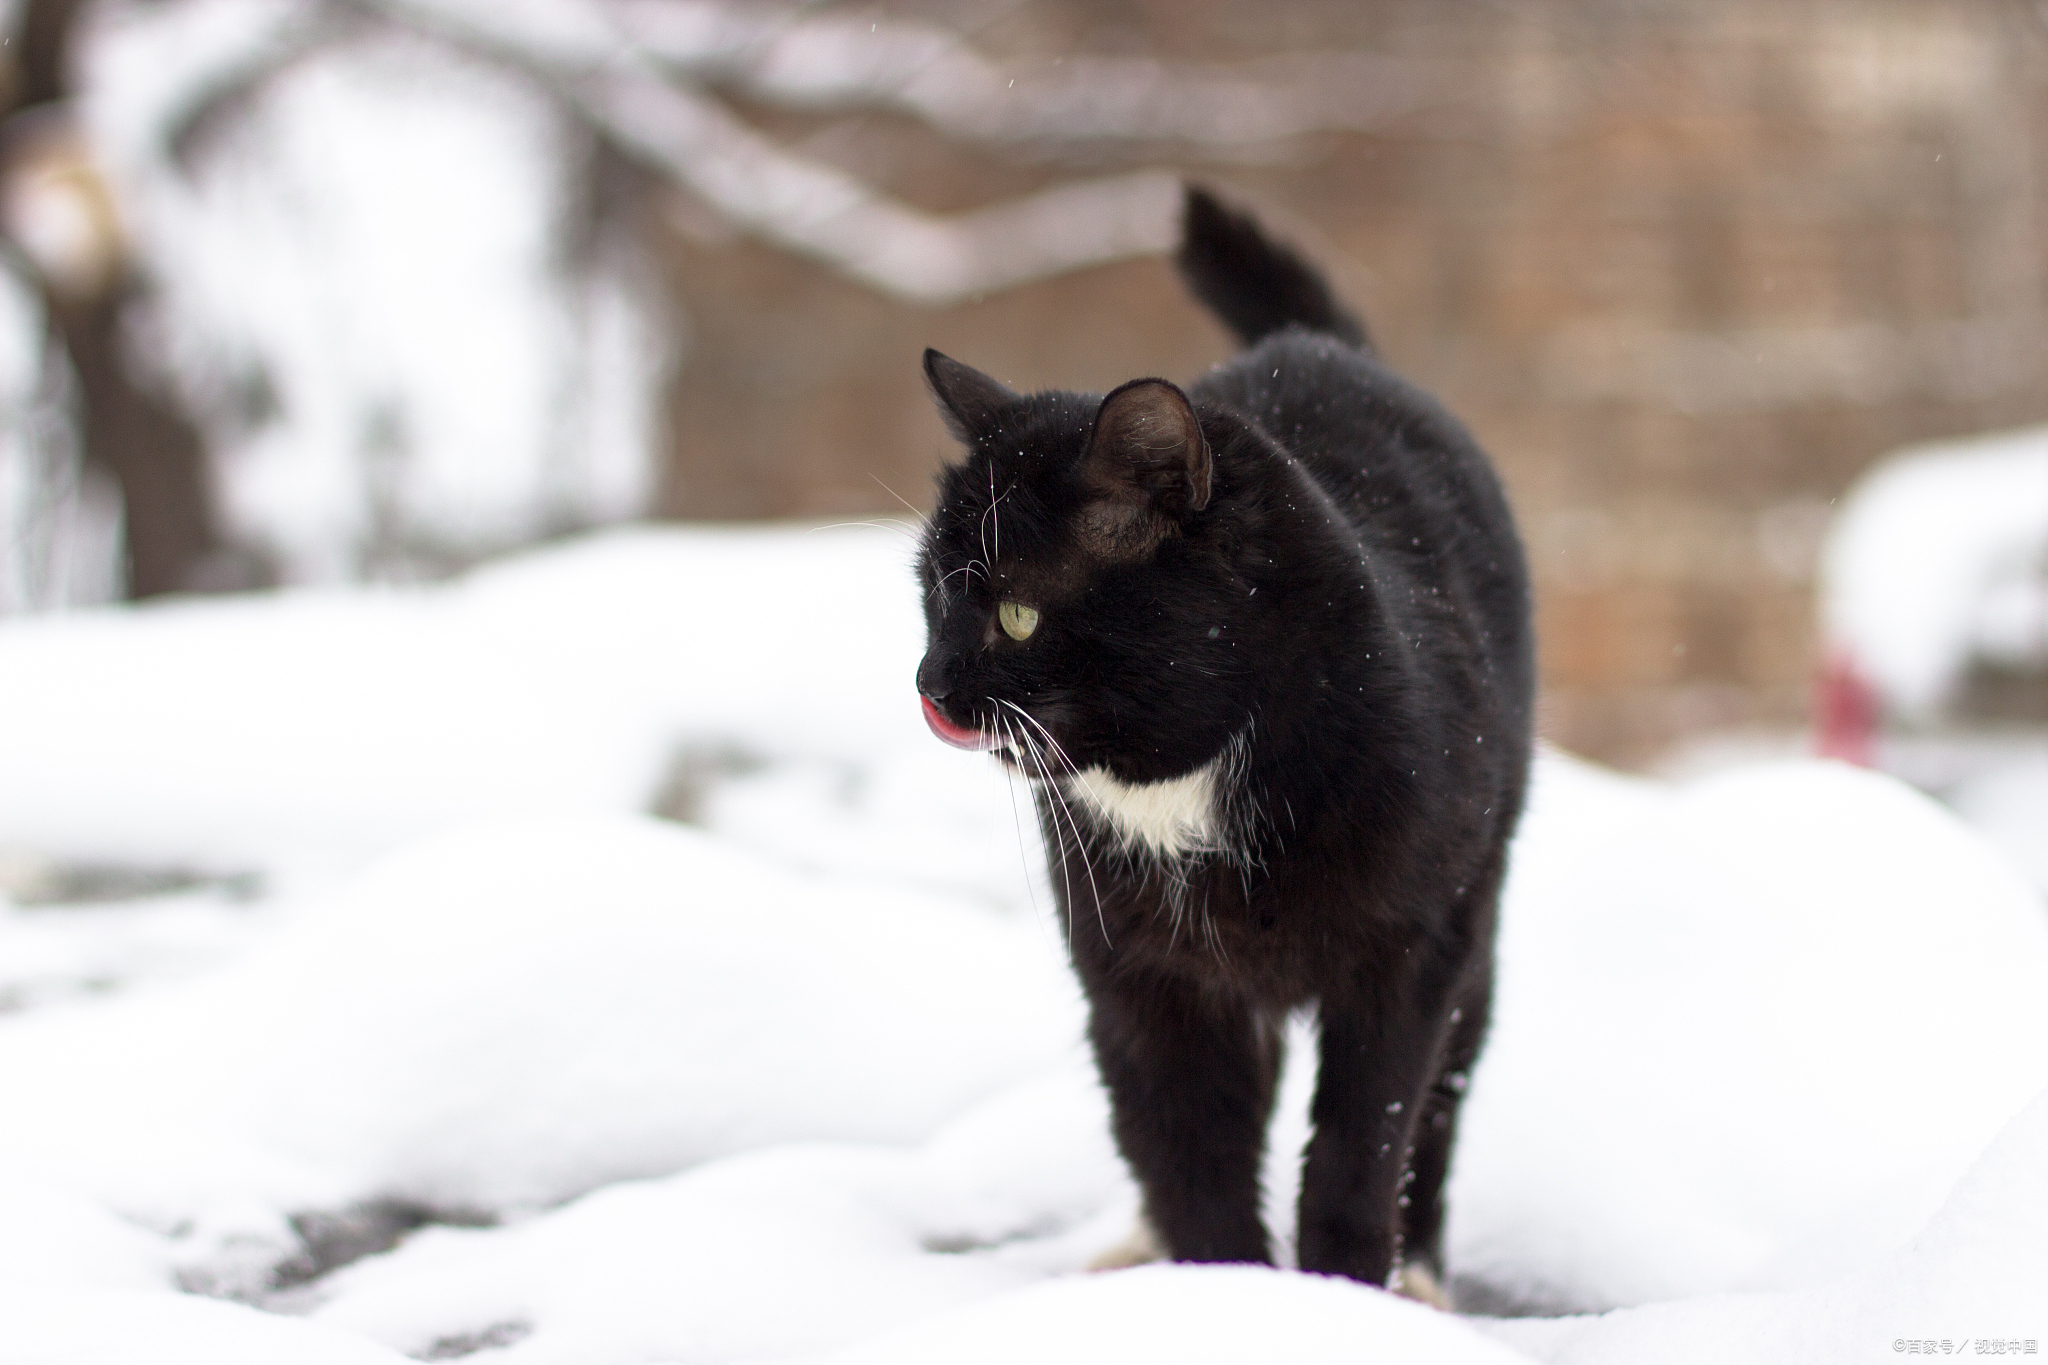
pixel 968 399
pixel 1147 450
pixel 1147 468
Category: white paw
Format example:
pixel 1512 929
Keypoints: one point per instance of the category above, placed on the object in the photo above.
pixel 1139 1247
pixel 1419 1282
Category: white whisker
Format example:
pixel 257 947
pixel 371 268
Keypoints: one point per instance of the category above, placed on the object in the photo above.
pixel 971 567
pixel 990 518
pixel 1051 782
pixel 1028 752
pixel 1017 823
pixel 879 524
pixel 922 519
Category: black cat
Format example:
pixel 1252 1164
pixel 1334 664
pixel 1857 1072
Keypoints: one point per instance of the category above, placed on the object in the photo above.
pixel 1263 646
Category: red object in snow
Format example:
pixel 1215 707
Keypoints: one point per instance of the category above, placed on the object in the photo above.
pixel 1845 712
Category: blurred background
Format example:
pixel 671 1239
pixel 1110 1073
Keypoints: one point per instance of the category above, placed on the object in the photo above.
pixel 343 290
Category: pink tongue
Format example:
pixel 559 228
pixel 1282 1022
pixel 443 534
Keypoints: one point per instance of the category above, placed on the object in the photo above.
pixel 959 736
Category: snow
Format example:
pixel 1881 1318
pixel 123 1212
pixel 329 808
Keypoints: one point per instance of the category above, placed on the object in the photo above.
pixel 1747 1029
pixel 315 729
pixel 52 1236
pixel 780 1251
pixel 49 955
pixel 1976 1273
pixel 476 1055
pixel 83 1327
pixel 1193 1314
pixel 2008 803
pixel 1938 558
pixel 510 1014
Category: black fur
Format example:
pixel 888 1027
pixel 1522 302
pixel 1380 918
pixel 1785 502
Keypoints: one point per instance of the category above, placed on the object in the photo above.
pixel 1303 571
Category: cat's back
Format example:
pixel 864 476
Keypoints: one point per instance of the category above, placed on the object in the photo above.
pixel 1414 488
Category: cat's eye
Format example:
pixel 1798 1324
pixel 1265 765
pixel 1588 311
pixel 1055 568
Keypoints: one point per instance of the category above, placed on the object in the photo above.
pixel 1016 619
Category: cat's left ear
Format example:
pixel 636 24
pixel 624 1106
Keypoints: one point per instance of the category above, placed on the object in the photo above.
pixel 1147 452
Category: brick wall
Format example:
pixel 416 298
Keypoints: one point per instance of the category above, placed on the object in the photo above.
pixel 1685 268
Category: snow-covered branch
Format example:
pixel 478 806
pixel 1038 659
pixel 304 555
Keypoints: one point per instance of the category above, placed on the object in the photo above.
pixel 791 200
pixel 201 60
pixel 850 61
pixel 832 217
pixel 634 72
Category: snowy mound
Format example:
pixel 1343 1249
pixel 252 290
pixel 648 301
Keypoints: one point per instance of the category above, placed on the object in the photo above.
pixel 97 1327
pixel 1199 1315
pixel 510 1015
pixel 492 1063
pixel 1938 559
pixel 1982 1261
pixel 1724 1011
pixel 325 727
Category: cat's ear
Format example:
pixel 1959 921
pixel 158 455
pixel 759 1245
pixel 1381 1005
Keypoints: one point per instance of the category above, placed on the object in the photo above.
pixel 1146 454
pixel 968 399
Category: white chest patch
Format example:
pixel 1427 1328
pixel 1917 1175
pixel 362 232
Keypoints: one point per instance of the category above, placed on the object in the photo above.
pixel 1172 818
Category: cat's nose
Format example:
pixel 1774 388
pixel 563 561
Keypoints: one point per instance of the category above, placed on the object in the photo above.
pixel 934 678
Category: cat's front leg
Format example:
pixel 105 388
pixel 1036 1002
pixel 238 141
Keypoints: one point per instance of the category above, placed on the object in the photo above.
pixel 1190 1083
pixel 1375 1070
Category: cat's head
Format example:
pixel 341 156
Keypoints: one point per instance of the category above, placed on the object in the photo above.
pixel 1078 586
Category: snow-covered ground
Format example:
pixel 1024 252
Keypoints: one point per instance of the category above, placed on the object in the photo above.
pixel 593 960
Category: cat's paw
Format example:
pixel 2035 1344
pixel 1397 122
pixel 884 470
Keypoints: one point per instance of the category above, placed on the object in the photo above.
pixel 1139 1247
pixel 1419 1282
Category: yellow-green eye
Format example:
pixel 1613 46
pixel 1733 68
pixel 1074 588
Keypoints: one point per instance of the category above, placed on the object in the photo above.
pixel 1018 620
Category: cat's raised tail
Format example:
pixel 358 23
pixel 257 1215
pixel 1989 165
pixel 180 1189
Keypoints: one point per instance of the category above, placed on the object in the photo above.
pixel 1255 284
